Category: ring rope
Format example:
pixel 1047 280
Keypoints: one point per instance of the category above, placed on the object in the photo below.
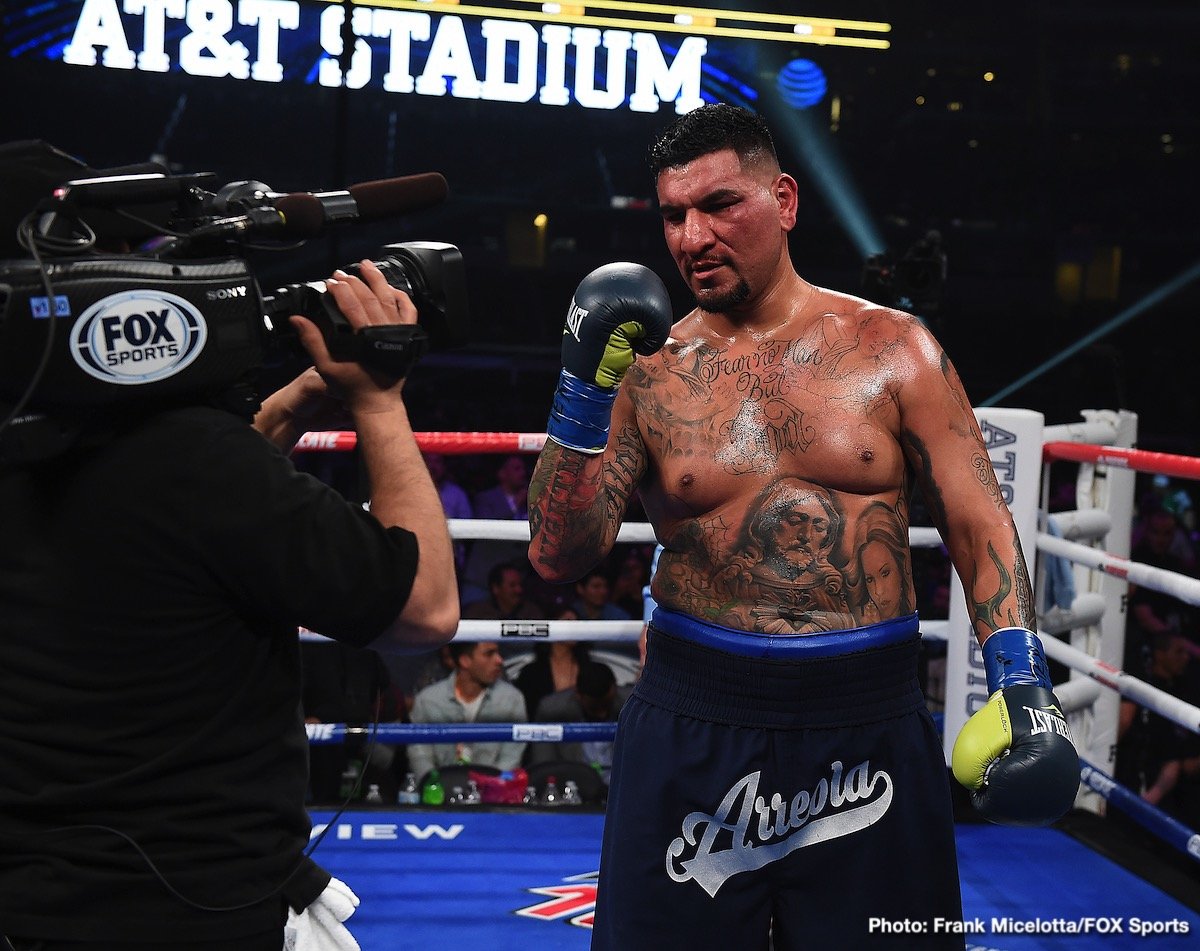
pixel 1183 587
pixel 517 530
pixel 1150 817
pixel 1165 704
pixel 450 444
pixel 1139 460
pixel 324 733
pixel 627 632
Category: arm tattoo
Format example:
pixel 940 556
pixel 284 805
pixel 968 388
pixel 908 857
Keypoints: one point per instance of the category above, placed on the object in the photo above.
pixel 990 613
pixel 577 501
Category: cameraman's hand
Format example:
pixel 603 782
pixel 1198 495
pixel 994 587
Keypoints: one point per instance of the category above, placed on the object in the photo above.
pixel 303 405
pixel 363 302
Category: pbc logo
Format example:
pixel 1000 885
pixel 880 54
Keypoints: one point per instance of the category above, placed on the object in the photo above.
pixel 574 901
pixel 574 319
pixel 138 337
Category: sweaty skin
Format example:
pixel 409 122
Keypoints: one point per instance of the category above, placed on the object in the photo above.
pixel 775 439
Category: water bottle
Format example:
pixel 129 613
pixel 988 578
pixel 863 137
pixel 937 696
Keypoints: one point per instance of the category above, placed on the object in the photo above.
pixel 570 796
pixel 373 793
pixel 350 778
pixel 473 797
pixel 434 793
pixel 550 793
pixel 530 797
pixel 409 794
pixel 456 796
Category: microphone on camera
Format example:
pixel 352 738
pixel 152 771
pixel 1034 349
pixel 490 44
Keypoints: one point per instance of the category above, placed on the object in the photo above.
pixel 300 215
pixel 372 201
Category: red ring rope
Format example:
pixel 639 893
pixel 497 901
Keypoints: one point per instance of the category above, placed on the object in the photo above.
pixel 448 443
pixel 1140 460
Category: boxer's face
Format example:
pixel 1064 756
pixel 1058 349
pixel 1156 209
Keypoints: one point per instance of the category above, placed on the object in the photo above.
pixel 725 224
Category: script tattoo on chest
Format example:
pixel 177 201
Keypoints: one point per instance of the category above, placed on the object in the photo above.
pixel 750 406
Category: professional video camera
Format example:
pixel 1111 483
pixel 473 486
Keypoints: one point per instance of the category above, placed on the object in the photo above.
pixel 912 282
pixel 137 295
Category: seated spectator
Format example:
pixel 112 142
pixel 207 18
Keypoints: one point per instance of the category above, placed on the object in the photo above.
pixel 1153 612
pixel 554 666
pixel 1152 750
pixel 592 599
pixel 474 693
pixel 506 597
pixel 632 577
pixel 455 501
pixel 506 498
pixel 595 698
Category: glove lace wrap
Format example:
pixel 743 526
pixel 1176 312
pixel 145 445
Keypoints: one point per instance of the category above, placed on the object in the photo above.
pixel 1013 656
pixel 581 414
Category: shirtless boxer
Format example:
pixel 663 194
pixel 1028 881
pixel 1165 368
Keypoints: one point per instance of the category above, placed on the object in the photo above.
pixel 777 775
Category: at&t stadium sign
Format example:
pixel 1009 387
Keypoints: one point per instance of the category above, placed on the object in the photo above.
pixel 602 55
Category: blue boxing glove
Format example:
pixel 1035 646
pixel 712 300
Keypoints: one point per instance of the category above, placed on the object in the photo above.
pixel 618 310
pixel 1015 754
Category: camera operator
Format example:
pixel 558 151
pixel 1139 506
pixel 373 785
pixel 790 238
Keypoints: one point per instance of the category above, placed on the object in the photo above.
pixel 154 755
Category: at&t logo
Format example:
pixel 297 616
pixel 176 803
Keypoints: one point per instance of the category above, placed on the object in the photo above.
pixel 138 337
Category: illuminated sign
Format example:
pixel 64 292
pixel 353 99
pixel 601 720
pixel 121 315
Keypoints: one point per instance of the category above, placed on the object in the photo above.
pixel 599 55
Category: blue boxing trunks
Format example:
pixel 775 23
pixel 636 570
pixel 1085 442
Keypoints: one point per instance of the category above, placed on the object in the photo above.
pixel 776 791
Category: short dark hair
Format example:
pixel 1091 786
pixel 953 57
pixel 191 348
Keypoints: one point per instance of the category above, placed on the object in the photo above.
pixel 596 572
pixel 595 679
pixel 458 648
pixel 496 573
pixel 711 128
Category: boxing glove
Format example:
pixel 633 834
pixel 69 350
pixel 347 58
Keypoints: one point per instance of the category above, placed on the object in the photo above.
pixel 1016 754
pixel 618 310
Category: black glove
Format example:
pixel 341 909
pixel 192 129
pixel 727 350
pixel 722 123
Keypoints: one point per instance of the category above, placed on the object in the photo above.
pixel 1015 754
pixel 618 310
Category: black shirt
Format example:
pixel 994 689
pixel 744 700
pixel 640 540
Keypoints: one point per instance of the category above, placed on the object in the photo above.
pixel 150 592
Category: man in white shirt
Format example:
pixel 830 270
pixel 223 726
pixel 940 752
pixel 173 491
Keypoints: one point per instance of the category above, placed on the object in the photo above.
pixel 475 693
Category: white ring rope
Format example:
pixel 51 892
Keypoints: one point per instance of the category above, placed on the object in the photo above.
pixel 1161 702
pixel 517 530
pixel 1157 579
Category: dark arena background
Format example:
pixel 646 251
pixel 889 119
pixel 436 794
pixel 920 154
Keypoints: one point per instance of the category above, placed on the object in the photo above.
pixel 1051 145
pixel 1025 177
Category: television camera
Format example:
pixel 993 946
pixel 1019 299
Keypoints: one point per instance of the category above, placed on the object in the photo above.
pixel 913 281
pixel 137 295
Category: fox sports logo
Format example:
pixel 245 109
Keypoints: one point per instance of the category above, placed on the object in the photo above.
pixel 138 337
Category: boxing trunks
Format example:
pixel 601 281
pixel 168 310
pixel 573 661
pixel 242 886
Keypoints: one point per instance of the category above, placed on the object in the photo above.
pixel 791 786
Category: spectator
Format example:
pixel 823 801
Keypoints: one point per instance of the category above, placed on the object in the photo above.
pixel 1164 495
pixel 592 599
pixel 505 499
pixel 1151 750
pixel 1155 612
pixel 474 693
pixel 508 497
pixel 454 499
pixel 506 597
pixel 632 576
pixel 595 698
pixel 554 667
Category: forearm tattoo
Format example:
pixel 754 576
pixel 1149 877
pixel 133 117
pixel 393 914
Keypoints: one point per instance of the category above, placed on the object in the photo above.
pixel 1011 603
pixel 577 501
